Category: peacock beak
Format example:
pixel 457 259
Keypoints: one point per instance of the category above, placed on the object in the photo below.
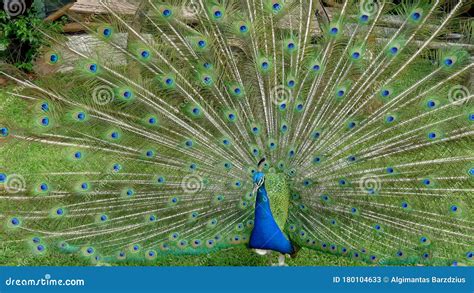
pixel 255 187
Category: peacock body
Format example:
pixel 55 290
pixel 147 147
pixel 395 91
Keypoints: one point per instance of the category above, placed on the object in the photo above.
pixel 367 133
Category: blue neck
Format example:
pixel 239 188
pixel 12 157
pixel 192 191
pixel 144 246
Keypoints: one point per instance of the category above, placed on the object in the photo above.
pixel 266 234
pixel 262 195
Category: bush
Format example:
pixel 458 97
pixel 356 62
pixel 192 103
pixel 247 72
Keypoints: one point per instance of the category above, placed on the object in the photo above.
pixel 21 38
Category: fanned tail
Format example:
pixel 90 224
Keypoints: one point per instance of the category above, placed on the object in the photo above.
pixel 144 141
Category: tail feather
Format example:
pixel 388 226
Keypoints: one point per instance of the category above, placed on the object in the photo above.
pixel 148 144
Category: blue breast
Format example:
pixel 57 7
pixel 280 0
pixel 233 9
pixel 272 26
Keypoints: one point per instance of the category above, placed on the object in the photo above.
pixel 266 234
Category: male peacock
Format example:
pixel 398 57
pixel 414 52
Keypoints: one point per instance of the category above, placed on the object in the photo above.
pixel 152 147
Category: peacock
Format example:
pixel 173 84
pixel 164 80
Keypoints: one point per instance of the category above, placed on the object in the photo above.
pixel 344 127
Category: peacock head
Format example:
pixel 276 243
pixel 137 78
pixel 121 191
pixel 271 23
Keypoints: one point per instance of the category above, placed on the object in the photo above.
pixel 258 177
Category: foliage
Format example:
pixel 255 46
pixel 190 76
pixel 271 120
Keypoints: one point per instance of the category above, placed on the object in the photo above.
pixel 22 39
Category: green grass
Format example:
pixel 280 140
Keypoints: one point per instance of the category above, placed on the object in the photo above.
pixel 236 256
